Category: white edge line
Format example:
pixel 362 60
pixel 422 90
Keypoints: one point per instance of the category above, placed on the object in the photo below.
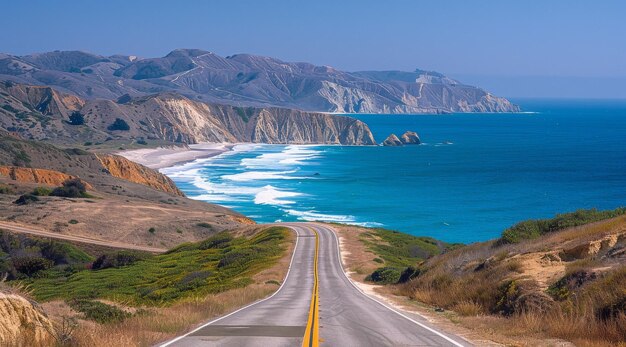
pixel 245 307
pixel 379 302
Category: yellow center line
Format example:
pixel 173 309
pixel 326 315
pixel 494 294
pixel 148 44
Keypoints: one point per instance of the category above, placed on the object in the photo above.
pixel 311 335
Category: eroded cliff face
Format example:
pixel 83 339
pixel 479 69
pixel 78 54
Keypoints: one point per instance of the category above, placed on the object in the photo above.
pixel 173 118
pixel 125 169
pixel 42 176
pixel 22 323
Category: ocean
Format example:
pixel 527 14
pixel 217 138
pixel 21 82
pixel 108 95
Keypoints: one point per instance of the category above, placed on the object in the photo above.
pixel 473 176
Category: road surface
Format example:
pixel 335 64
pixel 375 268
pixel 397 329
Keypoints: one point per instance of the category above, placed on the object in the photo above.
pixel 317 305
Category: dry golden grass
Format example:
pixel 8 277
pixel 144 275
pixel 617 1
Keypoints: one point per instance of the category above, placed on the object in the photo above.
pixel 500 293
pixel 162 324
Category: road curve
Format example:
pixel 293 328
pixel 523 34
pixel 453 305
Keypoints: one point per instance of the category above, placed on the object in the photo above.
pixel 347 316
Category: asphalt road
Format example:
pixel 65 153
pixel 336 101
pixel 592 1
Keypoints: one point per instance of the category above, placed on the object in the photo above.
pixel 317 306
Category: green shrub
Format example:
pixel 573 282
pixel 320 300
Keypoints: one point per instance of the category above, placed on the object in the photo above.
pixel 26 199
pixel 194 280
pixel 77 118
pixel 98 311
pixel 385 275
pixel 117 259
pixel 408 274
pixel 221 240
pixel 4 189
pixel 73 221
pixel 30 265
pixel 42 191
pixel 152 230
pixel 534 228
pixel 236 257
pixel 72 188
pixel 119 124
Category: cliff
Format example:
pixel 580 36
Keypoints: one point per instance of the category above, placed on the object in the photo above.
pixel 125 169
pixel 22 323
pixel 43 176
pixel 169 117
pixel 249 80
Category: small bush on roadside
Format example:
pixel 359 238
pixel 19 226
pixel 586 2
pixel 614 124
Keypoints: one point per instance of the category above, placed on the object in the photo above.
pixel 98 311
pixel 385 275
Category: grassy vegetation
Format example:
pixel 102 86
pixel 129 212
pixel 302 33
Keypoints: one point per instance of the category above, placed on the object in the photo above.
pixel 23 257
pixel 189 270
pixel 401 250
pixel 534 228
pixel 98 311
pixel 585 304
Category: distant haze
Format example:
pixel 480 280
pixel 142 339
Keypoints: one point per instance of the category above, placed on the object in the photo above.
pixel 560 48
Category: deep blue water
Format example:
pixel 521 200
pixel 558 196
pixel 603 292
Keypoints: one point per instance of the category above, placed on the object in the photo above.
pixel 475 174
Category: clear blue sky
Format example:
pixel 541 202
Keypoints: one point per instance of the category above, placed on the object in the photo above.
pixel 509 46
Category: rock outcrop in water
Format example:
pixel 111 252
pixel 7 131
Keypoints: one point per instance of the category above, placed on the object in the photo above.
pixel 410 138
pixel 41 113
pixel 392 140
pixel 249 80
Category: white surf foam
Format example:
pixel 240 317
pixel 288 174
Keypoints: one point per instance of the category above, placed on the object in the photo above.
pixel 262 175
pixel 269 195
pixel 313 215
pixel 290 156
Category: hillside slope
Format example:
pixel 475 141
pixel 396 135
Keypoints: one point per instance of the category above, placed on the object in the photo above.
pixel 249 80
pixel 43 113
pixel 564 280
pixel 126 202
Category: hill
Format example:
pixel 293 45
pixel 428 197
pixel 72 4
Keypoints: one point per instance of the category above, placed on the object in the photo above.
pixel 250 80
pixel 42 113
pixel 566 282
pixel 124 201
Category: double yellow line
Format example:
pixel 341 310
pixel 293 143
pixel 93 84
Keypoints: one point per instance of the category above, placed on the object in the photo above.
pixel 311 335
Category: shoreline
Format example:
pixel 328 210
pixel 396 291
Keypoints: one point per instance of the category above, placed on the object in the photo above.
pixel 162 157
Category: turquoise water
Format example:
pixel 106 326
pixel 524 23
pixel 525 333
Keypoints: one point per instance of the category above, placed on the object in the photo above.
pixel 475 174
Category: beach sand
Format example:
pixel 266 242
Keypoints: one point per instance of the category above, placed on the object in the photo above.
pixel 158 158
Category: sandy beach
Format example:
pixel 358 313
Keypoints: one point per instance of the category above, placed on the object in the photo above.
pixel 157 158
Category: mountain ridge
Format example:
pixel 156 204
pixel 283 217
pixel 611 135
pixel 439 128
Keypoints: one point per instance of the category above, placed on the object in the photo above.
pixel 250 80
pixel 43 113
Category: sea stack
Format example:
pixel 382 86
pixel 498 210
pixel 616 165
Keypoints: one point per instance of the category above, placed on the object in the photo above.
pixel 410 138
pixel 392 140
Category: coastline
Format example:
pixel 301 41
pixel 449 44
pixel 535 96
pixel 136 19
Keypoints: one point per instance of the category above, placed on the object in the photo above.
pixel 159 158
